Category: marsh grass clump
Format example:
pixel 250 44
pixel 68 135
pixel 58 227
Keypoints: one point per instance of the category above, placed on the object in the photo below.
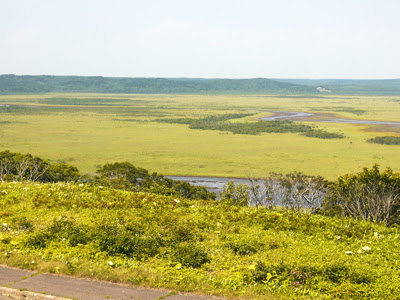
pixel 221 123
pixel 385 140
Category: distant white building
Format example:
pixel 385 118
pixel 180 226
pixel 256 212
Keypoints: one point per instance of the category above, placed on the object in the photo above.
pixel 321 89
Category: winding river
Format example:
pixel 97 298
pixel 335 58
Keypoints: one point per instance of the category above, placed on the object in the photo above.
pixel 303 116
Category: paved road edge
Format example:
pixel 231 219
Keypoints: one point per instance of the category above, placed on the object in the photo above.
pixel 27 295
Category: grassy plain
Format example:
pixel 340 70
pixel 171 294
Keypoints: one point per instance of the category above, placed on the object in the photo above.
pixel 88 130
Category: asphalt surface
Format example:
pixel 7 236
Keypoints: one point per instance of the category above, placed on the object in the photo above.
pixel 23 281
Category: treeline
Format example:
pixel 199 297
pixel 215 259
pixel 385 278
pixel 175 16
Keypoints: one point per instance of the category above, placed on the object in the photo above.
pixel 208 119
pixel 221 123
pixel 10 84
pixel 322 134
pixel 385 140
pixel 98 84
pixel 352 86
pixel 372 194
pixel 119 175
pixel 369 195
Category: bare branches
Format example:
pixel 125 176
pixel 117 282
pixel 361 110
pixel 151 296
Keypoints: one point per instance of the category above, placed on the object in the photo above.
pixel 20 167
pixel 369 195
pixel 295 191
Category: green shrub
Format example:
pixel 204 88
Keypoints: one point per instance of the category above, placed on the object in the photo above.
pixel 80 234
pixel 131 246
pixel 22 223
pixel 336 272
pixel 244 246
pixel 37 241
pixel 302 276
pixel 183 233
pixel 262 272
pixel 189 255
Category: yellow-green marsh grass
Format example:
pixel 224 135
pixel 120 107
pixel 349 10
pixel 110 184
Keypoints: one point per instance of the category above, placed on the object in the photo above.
pixel 94 134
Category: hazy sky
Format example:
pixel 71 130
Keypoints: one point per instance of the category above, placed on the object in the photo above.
pixel 201 38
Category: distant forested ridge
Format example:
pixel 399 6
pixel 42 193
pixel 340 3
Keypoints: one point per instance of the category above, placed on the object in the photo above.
pixel 16 84
pixel 352 86
pixel 10 84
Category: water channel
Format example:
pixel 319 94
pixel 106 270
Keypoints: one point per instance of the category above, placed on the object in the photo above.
pixel 213 184
pixel 303 116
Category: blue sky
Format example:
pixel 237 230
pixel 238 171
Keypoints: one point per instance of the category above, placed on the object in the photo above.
pixel 207 38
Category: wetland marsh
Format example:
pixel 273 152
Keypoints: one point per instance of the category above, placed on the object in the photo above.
pixel 73 127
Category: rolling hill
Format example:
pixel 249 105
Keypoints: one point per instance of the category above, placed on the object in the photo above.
pixel 45 84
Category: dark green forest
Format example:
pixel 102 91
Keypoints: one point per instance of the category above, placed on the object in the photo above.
pixel 10 83
pixel 46 84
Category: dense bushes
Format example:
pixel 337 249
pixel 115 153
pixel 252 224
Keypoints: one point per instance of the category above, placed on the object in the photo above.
pixel 368 195
pixel 118 175
pixel 301 276
pixel 124 175
pixel 221 123
pixel 385 140
pixel 189 255
pixel 25 167
pixel 322 134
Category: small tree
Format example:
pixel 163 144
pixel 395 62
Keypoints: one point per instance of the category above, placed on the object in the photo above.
pixel 37 168
pixel 295 191
pixel 20 167
pixel 61 172
pixel 235 194
pixel 264 191
pixel 123 170
pixel 6 165
pixel 302 192
pixel 256 190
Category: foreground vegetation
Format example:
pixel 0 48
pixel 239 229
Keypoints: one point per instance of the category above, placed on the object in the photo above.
pixel 210 247
pixel 127 225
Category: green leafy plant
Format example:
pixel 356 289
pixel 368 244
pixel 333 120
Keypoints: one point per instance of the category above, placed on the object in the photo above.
pixel 189 255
